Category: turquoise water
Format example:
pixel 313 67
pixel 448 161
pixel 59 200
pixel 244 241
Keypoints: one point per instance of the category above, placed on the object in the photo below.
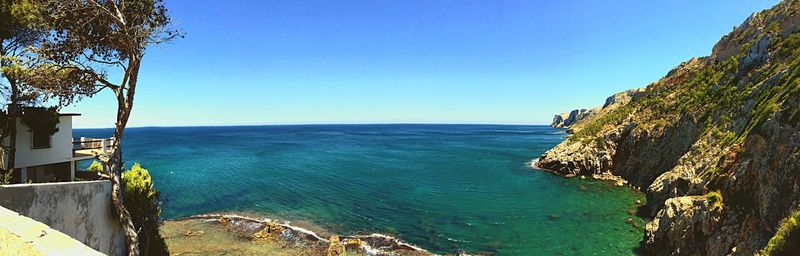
pixel 447 188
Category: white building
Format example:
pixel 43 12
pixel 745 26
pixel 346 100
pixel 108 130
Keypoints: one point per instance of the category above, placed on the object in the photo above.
pixel 75 203
pixel 51 158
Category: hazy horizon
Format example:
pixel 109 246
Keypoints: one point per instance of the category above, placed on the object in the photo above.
pixel 314 124
pixel 366 62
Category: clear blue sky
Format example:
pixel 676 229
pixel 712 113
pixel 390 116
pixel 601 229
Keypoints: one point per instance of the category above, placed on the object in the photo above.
pixel 431 61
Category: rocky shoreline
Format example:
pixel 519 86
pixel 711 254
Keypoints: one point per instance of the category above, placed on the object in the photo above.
pixel 714 144
pixel 290 239
pixel 606 176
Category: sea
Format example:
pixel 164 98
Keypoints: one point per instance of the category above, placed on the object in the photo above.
pixel 446 188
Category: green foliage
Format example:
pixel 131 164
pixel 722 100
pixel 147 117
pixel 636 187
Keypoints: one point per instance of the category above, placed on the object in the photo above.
pixel 593 126
pixel 787 240
pixel 41 120
pixel 82 28
pixel 88 37
pixel 792 117
pixel 142 201
pixel 774 27
pixel 723 137
pixel 790 45
pixel 713 171
pixel 95 167
pixel 66 85
pixel 728 100
pixel 23 27
pixel 714 199
pixel 16 15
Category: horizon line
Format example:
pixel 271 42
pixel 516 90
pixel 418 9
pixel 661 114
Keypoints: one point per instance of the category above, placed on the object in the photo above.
pixel 310 124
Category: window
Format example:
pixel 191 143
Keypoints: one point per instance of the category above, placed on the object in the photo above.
pixel 41 140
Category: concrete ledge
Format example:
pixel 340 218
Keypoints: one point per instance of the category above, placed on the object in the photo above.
pixel 52 184
pixel 81 210
pixel 20 235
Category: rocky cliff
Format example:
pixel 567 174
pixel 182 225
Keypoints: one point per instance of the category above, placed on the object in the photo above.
pixel 715 144
pixel 567 119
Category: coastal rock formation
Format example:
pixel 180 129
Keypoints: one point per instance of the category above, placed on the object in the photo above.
pixel 335 247
pixel 689 217
pixel 295 240
pixel 568 119
pixel 724 127
pixel 622 98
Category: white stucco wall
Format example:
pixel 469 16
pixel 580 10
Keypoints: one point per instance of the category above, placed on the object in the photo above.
pixel 81 210
pixel 20 235
pixel 61 150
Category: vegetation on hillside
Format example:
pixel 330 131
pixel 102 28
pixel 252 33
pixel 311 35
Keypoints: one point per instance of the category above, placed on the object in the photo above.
pixel 142 200
pixel 720 129
pixel 714 199
pixel 787 240
pixel 728 99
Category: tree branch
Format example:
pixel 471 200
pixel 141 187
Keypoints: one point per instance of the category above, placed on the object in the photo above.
pixel 92 59
pixel 114 16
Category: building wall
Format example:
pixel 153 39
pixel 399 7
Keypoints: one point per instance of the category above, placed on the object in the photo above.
pixel 82 210
pixel 61 142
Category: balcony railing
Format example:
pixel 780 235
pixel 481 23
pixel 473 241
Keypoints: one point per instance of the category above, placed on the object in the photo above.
pixel 91 146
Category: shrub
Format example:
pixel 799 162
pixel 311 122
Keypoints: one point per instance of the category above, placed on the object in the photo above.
pixel 787 240
pixel 142 201
pixel 714 199
pixel 95 167
pixel 592 127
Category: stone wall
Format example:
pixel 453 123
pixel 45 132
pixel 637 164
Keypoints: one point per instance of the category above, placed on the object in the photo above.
pixel 81 210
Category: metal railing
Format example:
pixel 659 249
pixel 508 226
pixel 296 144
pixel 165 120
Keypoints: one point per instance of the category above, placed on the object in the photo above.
pixel 83 143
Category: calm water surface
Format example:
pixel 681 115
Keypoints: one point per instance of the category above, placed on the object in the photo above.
pixel 447 188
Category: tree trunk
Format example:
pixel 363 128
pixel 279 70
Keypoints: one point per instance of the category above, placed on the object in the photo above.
pixel 12 144
pixel 13 113
pixel 11 123
pixel 6 173
pixel 115 163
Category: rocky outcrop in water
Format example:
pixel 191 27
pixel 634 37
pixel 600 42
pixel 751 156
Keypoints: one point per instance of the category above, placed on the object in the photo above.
pixel 267 229
pixel 715 144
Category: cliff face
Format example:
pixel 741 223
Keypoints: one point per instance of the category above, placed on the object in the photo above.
pixel 567 119
pixel 715 143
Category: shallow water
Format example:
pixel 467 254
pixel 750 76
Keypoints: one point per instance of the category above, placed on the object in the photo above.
pixel 446 188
